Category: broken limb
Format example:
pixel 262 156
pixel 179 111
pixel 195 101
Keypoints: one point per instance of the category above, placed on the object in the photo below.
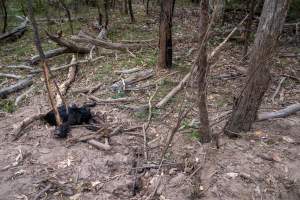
pixel 280 113
pixel 10 76
pixel 49 54
pixel 16 32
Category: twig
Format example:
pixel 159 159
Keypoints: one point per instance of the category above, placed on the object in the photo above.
pixel 145 143
pixel 119 100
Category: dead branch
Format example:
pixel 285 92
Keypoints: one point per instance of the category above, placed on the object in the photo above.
pixel 99 145
pixel 213 57
pixel 17 133
pixel 16 32
pixel 21 66
pixel 16 87
pixel 280 113
pixel 88 90
pixel 174 91
pixel 278 88
pixel 23 95
pixel 10 76
pixel 104 101
pixel 49 54
pixel 132 79
pixel 63 88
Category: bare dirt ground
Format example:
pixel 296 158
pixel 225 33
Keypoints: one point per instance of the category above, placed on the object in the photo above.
pixel 263 164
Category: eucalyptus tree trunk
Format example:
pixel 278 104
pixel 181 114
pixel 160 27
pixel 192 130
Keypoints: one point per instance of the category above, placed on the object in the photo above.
pixel 202 67
pixel 132 19
pixel 165 33
pixel 258 76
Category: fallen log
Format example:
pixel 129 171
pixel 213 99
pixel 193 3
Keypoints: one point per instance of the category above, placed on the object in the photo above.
pixel 280 113
pixel 70 45
pixel 134 78
pixel 22 96
pixel 16 32
pixel 16 87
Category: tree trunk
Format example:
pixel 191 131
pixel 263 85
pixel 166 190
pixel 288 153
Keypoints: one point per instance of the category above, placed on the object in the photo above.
pixel 106 13
pixel 4 10
pixel 99 13
pixel 147 7
pixel 202 69
pixel 165 33
pixel 248 25
pixel 258 77
pixel 132 19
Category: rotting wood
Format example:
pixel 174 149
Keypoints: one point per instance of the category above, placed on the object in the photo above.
pixel 139 76
pixel 21 84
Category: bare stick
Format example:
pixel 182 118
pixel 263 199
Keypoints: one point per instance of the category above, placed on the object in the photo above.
pixel 45 66
pixel 278 88
pixel 99 145
pixel 280 113
pixel 119 100
pixel 18 130
pixel 10 76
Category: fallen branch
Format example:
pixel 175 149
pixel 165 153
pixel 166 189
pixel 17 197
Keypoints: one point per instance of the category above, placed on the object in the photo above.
pixel 21 66
pixel 88 90
pixel 17 133
pixel 278 88
pixel 16 87
pixel 174 91
pixel 119 100
pixel 49 54
pixel 43 191
pixel 280 113
pixel 10 76
pixel 213 57
pixel 99 145
pixel 132 79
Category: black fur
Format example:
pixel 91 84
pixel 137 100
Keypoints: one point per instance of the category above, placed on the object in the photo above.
pixel 76 116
